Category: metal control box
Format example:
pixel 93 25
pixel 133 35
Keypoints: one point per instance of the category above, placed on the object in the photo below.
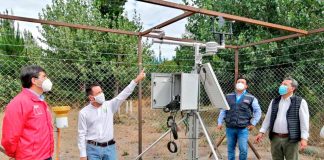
pixel 167 86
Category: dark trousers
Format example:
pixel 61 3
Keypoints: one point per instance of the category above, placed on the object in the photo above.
pixel 282 149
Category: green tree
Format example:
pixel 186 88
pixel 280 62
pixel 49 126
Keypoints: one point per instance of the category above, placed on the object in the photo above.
pixel 300 14
pixel 106 57
pixel 112 9
pixel 16 48
pixel 262 63
pixel 11 44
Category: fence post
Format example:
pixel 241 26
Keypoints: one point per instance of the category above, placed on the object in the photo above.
pixel 236 64
pixel 131 106
pixel 140 66
pixel 127 106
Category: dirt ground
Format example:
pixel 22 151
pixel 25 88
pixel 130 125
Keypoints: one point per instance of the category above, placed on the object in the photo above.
pixel 126 136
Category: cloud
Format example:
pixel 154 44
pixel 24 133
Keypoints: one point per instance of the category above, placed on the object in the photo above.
pixel 152 15
pixel 25 8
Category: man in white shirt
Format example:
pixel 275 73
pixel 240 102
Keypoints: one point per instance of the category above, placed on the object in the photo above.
pixel 95 124
pixel 287 120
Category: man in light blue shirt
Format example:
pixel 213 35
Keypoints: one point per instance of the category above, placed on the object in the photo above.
pixel 244 114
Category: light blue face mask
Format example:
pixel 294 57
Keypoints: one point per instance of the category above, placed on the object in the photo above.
pixel 283 90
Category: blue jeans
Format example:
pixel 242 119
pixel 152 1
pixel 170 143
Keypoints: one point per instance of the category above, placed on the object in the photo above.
pixel 101 153
pixel 240 135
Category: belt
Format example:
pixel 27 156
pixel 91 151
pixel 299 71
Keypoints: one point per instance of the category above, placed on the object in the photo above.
pixel 104 144
pixel 281 135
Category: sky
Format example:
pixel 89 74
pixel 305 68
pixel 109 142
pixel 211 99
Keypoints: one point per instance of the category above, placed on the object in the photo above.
pixel 150 14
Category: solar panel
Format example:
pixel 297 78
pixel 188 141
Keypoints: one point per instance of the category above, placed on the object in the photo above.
pixel 212 87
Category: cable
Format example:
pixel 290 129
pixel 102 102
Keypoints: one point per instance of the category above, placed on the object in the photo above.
pixel 66 50
pixel 267 58
pixel 311 60
pixel 61 59
pixel 265 51
pixel 65 39
pixel 87 60
pixel 172 147
pixel 184 59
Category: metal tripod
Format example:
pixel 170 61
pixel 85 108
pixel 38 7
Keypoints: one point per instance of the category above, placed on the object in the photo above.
pixel 168 131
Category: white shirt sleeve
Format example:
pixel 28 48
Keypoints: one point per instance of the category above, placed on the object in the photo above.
pixel 304 120
pixel 82 130
pixel 118 100
pixel 266 121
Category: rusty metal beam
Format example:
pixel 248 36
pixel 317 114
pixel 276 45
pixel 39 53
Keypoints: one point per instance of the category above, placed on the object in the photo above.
pixel 64 24
pixel 231 46
pixel 236 57
pixel 79 26
pixel 282 38
pixel 226 16
pixel 140 111
pixel 100 29
pixel 170 21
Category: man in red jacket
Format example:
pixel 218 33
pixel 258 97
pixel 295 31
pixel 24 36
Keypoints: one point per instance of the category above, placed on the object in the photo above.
pixel 27 131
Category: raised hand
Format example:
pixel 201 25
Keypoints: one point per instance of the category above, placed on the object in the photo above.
pixel 140 76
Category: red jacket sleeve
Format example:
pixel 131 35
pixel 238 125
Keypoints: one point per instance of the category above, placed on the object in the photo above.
pixel 13 123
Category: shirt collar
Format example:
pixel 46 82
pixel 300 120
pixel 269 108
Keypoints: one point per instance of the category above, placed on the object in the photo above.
pixel 288 98
pixel 93 107
pixel 241 94
pixel 40 96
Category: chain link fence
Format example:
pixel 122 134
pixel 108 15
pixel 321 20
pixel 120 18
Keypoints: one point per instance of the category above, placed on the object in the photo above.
pixel 264 83
pixel 71 76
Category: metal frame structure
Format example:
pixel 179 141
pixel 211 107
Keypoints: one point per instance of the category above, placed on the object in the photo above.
pixel 188 11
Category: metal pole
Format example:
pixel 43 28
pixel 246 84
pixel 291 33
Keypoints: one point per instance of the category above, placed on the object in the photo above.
pixel 217 145
pixel 193 121
pixel 171 42
pixel 236 64
pixel 153 144
pixel 58 143
pixel 207 135
pixel 193 135
pixel 254 150
pixel 139 53
pixel 220 141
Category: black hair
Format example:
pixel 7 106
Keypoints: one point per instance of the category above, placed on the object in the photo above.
pixel 29 72
pixel 242 77
pixel 89 87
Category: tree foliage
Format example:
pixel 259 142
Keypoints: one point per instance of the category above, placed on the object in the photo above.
pixel 103 52
pixel 14 54
pixel 262 63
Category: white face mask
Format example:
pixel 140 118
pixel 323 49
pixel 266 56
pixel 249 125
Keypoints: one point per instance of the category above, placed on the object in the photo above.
pixel 46 85
pixel 322 132
pixel 239 86
pixel 100 98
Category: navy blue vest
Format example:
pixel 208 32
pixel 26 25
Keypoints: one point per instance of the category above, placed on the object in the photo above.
pixel 240 113
pixel 293 121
